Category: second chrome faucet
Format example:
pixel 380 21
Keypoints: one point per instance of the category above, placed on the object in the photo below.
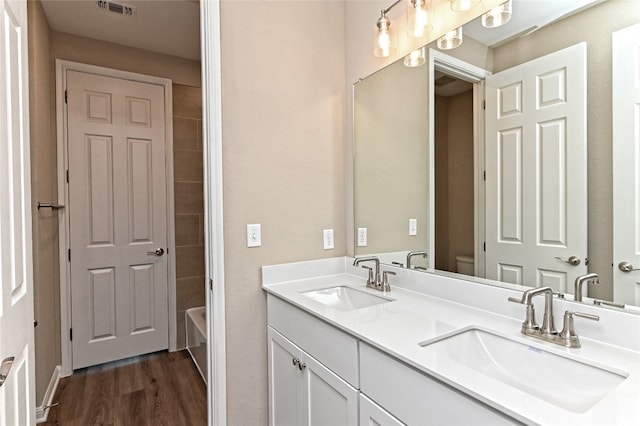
pixel 567 337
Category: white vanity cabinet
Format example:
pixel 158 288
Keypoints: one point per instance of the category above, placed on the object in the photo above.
pixel 313 369
pixel 371 414
pixel 418 399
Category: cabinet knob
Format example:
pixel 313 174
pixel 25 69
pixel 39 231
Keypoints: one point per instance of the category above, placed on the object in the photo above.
pixel 295 361
pixel 301 365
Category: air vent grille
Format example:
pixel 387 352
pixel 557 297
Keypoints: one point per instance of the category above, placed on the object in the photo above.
pixel 115 7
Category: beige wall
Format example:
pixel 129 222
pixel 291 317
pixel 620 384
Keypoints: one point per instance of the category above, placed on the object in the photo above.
pixel 460 171
pixel 44 189
pixel 593 26
pixel 391 161
pixel 454 171
pixel 283 141
pixel 441 174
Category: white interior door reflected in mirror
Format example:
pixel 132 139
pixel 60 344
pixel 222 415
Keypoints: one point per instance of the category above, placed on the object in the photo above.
pixel 536 171
pixel 626 164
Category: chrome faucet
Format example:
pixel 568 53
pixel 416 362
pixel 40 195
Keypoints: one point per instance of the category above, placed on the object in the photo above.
pixel 529 326
pixel 567 337
pixel 577 287
pixel 414 253
pixel 378 281
pixel 374 281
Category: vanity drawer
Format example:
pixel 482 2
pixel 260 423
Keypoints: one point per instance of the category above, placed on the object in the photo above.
pixel 417 399
pixel 335 349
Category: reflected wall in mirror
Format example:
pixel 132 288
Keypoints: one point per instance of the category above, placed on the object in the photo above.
pixel 389 176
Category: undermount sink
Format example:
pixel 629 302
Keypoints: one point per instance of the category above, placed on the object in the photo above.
pixel 559 380
pixel 345 298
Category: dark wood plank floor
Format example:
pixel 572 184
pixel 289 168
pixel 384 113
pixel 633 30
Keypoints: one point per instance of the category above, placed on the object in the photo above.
pixel 163 388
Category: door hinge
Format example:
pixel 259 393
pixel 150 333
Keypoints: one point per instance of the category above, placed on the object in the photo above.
pixel 484 175
pixel 35 323
pixel 210 284
pixel 65 97
pixel 484 246
pixel 67 175
pixel 69 254
pixel 484 104
pixel 71 334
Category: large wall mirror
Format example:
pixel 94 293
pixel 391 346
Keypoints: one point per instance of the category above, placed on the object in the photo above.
pixel 495 160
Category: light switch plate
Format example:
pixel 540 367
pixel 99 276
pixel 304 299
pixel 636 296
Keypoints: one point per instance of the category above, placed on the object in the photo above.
pixel 328 239
pixel 254 239
pixel 362 237
pixel 413 227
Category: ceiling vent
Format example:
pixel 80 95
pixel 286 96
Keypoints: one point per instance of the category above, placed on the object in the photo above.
pixel 118 8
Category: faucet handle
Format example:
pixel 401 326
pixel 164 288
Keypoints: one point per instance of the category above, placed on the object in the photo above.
pixel 370 280
pixel 568 335
pixel 385 280
pixel 516 300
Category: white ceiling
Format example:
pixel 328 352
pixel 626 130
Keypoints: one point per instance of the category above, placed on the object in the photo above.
pixel 171 27
pixel 527 16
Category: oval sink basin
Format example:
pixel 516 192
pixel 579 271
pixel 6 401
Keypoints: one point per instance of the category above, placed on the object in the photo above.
pixel 559 380
pixel 345 298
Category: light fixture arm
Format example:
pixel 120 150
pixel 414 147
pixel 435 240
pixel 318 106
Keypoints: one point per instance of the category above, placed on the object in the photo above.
pixel 385 11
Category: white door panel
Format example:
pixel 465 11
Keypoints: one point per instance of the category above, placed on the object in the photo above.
pixel 17 391
pixel 117 208
pixel 536 171
pixel 626 163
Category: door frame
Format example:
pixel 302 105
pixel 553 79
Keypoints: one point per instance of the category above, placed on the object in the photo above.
pixel 62 66
pixel 439 61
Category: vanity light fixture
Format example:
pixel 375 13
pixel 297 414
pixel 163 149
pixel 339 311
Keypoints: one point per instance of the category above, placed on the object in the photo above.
pixel 419 17
pixel 384 40
pixel 463 5
pixel 497 16
pixel 416 58
pixel 450 40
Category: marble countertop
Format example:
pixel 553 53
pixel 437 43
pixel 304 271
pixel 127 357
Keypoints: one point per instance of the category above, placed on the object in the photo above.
pixel 413 316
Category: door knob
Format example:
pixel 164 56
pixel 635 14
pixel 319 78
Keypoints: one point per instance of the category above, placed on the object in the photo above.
pixel 573 260
pixel 627 267
pixel 157 252
pixel 4 369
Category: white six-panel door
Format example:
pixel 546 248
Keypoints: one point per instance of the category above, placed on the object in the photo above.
pixel 536 171
pixel 17 383
pixel 117 214
pixel 626 164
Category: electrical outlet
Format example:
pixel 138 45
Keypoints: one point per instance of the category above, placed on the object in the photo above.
pixel 362 237
pixel 254 239
pixel 328 239
pixel 413 227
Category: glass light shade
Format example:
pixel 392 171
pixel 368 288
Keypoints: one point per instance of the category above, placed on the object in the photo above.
pixel 450 40
pixel 384 40
pixel 497 16
pixel 416 58
pixel 463 5
pixel 419 17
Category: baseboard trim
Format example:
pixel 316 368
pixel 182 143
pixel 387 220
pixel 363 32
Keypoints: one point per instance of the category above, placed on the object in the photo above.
pixel 42 412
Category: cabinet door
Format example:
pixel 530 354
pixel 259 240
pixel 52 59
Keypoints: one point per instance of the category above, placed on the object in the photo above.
pixel 285 381
pixel 328 400
pixel 371 414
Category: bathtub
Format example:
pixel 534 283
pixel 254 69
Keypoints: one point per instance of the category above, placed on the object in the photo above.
pixel 196 329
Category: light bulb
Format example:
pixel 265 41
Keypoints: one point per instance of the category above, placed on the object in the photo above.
pixel 415 58
pixel 383 41
pixel 463 5
pixel 497 16
pixel 418 12
pixel 450 40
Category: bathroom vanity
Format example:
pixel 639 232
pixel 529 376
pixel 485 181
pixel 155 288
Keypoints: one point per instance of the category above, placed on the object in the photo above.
pixel 436 350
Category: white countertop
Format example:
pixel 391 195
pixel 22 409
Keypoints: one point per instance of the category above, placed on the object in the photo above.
pixel 415 316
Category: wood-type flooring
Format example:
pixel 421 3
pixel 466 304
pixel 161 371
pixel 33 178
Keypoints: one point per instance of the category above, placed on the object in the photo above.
pixel 163 388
